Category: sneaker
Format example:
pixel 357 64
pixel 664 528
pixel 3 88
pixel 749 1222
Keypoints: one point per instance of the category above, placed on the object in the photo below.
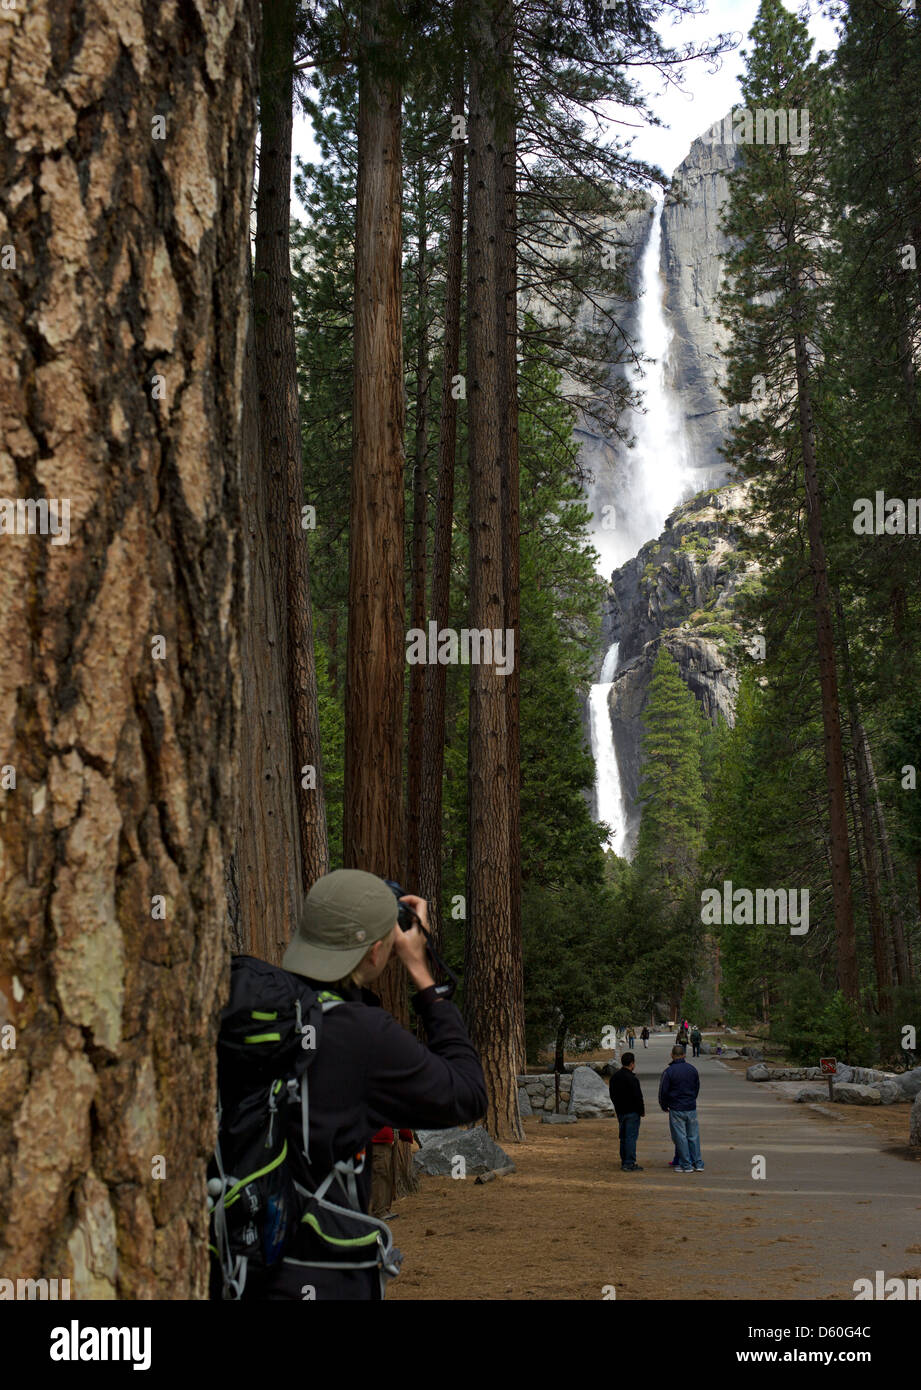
pixel 637 1168
pixel 699 1168
pixel 684 1170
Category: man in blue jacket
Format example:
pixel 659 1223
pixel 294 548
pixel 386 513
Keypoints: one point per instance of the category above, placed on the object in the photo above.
pixel 678 1088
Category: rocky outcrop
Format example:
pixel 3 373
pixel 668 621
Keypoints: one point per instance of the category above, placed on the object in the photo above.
pixel 680 591
pixel 693 247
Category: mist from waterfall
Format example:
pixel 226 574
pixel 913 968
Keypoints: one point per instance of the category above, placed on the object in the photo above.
pixel 633 492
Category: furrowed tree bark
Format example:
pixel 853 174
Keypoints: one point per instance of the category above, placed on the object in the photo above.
pixel 267 858
pixel 491 988
pixel 863 824
pixel 130 132
pixel 507 309
pixel 280 429
pixel 436 675
pixel 420 545
pixel 373 821
pixel 828 680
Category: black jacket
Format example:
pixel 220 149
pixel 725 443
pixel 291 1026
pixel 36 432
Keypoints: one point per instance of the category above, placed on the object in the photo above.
pixel 626 1093
pixel 369 1071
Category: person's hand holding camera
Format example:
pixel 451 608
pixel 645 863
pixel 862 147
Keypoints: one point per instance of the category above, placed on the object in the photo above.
pixel 410 945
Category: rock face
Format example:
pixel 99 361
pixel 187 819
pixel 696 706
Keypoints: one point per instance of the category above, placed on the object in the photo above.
pixel 693 247
pixel 590 1096
pixel 910 1083
pixel 441 1149
pixel 679 591
pixel 914 1124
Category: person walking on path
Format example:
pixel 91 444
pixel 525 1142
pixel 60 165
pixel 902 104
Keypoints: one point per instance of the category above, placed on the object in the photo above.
pixel 695 1040
pixel 645 1036
pixel 631 1039
pixel 678 1089
pixel 627 1099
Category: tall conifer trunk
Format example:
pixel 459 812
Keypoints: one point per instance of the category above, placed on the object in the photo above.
pixel 419 545
pixel 828 680
pixel 436 675
pixel 507 309
pixel 373 824
pixel 492 991
pixel 276 357
pixel 130 156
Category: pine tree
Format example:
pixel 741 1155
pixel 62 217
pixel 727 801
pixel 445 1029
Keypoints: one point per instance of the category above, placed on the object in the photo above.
pixel 671 834
pixel 776 215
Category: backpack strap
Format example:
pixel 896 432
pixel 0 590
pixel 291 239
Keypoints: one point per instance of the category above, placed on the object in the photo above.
pixel 327 1000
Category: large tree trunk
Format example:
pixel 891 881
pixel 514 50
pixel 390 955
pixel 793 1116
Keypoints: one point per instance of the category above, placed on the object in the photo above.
pixel 267 858
pixel 436 675
pixel 130 132
pixel 492 990
pixel 864 826
pixel 831 715
pixel 507 309
pixel 372 835
pixel 280 429
pixel 420 544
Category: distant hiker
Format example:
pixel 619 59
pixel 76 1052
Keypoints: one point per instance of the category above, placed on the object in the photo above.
pixel 645 1037
pixel 303 1094
pixel 384 1169
pixel 627 1099
pixel 678 1089
pixel 631 1039
pixel 695 1040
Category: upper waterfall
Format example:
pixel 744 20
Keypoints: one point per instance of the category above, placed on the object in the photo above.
pixel 635 489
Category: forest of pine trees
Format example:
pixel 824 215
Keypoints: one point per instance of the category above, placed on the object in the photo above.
pixel 294 434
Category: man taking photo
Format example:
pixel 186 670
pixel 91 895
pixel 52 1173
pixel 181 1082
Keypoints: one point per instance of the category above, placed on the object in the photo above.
pixel 368 1072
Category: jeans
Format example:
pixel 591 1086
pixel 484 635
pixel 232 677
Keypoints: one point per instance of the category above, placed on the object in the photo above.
pixel 685 1132
pixel 696 1049
pixel 629 1131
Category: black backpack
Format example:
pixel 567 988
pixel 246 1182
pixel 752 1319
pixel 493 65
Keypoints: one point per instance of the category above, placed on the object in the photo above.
pixel 260 1192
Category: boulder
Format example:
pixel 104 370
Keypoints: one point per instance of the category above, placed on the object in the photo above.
pixel 754 1053
pixel 559 1120
pixel 890 1093
pixel 850 1094
pixel 810 1094
pixel 909 1083
pixel 731 1054
pixel 759 1072
pixel 524 1103
pixel 705 1048
pixel 589 1094
pixel 480 1152
pixel 914 1122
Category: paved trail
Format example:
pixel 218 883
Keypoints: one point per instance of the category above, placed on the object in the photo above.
pixel 834 1207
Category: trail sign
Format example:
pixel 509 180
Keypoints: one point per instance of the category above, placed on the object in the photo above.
pixel 829 1067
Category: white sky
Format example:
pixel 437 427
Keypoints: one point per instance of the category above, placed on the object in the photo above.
pixel 705 97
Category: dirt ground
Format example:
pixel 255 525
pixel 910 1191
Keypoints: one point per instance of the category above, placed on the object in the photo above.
pixel 568 1223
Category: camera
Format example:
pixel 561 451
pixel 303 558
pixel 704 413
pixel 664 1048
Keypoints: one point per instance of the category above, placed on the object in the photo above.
pixel 406 920
pixel 406 917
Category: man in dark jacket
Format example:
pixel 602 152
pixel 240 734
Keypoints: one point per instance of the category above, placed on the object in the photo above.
pixel 678 1088
pixel 369 1071
pixel 627 1099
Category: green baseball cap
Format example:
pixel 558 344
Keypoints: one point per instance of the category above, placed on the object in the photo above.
pixel 344 913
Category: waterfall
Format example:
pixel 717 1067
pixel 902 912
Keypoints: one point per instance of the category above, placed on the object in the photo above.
pixel 635 489
pixel 609 803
